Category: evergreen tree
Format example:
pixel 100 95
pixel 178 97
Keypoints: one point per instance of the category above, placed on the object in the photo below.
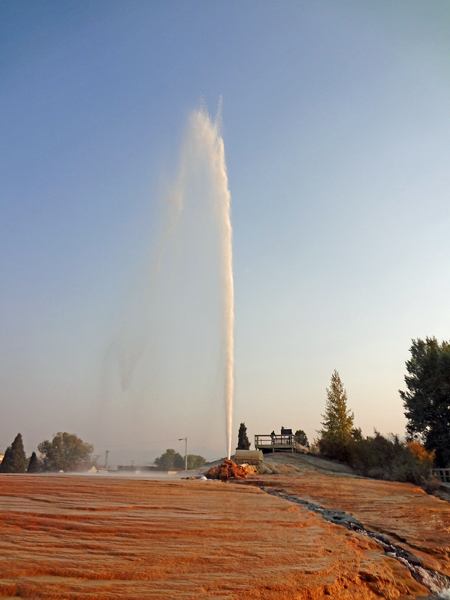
pixel 6 462
pixel 243 443
pixel 336 434
pixel 301 438
pixel 338 420
pixel 33 465
pixel 15 460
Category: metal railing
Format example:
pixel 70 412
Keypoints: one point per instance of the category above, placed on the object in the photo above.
pixel 274 440
pixel 442 474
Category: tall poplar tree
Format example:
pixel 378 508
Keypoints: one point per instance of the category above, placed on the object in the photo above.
pixel 243 441
pixel 33 465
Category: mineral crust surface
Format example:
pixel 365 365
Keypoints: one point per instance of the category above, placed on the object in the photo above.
pixel 103 538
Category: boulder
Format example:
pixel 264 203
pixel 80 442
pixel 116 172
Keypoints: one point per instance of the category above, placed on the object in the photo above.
pixel 228 470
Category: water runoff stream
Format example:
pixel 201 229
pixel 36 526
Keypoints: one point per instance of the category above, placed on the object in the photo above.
pixel 438 584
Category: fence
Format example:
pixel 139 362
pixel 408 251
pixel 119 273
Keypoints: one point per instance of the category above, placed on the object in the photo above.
pixel 442 474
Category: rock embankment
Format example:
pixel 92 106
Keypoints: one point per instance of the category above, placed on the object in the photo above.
pixel 401 514
pixel 402 511
pixel 424 569
pixel 434 581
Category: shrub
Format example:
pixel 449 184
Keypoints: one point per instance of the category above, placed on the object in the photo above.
pixel 418 450
pixel 432 485
pixel 390 459
pixel 333 447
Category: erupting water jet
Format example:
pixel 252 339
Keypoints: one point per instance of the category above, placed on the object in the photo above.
pixel 207 132
pixel 204 153
pixel 201 181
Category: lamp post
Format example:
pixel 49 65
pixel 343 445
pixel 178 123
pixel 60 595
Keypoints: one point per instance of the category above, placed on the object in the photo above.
pixel 185 451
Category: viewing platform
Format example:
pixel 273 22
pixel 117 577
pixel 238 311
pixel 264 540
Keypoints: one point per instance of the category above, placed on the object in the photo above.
pixel 285 442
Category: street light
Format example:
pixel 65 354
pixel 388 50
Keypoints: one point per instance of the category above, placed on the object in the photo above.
pixel 185 451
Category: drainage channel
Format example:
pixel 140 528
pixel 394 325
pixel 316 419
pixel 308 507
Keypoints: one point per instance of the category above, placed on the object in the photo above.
pixel 438 584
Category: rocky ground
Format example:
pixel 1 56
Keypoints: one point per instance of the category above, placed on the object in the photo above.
pixel 93 537
pixel 404 512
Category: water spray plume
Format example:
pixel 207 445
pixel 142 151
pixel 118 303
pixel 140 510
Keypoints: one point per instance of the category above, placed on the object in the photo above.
pixel 208 146
pixel 201 174
pixel 228 305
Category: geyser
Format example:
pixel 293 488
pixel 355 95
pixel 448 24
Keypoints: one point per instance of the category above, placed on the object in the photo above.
pixel 204 144
pixel 199 189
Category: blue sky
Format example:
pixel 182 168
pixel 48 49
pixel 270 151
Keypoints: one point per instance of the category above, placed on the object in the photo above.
pixel 336 126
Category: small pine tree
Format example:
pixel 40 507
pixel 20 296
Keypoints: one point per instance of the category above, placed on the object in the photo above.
pixel 15 460
pixel 338 421
pixel 243 443
pixel 33 465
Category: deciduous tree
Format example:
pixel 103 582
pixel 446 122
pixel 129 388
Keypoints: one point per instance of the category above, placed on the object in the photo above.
pixel 194 461
pixel 66 452
pixel 427 397
pixel 169 460
pixel 301 438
